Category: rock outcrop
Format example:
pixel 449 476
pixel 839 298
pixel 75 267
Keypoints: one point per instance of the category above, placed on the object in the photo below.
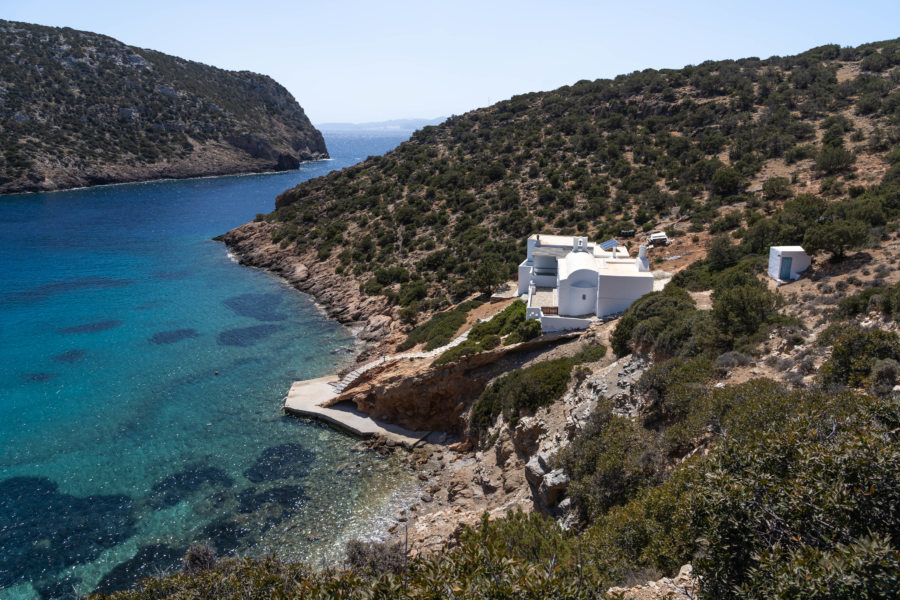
pixel 339 296
pixel 80 109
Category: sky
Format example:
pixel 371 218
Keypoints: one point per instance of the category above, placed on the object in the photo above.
pixel 349 61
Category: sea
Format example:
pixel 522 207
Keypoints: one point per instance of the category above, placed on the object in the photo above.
pixel 142 377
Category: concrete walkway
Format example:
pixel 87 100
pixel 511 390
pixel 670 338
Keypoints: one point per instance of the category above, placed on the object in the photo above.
pixel 305 397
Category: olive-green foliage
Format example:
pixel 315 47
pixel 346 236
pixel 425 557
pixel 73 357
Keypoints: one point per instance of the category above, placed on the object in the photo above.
pixel 805 507
pixel 439 330
pixel 832 159
pixel 888 301
pixel 855 353
pixel 652 315
pixel 465 348
pixel 741 304
pixel 885 375
pixel 777 188
pixel 508 326
pixel 835 237
pixel 502 324
pixel 526 330
pixel 610 460
pixel 523 390
pixel 376 557
pixel 670 387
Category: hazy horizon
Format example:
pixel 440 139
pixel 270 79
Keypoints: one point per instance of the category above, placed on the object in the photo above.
pixel 355 62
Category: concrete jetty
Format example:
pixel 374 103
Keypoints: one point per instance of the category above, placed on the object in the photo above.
pixel 306 397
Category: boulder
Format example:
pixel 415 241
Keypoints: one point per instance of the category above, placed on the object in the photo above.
pixel 300 273
pixel 535 470
pixel 375 328
pixel 553 487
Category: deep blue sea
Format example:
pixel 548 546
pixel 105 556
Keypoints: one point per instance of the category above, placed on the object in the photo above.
pixel 119 443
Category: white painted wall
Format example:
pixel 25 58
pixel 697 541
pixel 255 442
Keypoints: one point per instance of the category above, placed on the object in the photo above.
pixel 551 323
pixel 800 260
pixel 578 294
pixel 616 293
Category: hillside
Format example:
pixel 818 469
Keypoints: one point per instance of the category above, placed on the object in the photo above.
pixel 700 150
pixel 735 432
pixel 78 108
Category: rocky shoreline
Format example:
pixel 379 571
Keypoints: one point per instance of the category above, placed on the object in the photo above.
pixel 340 297
pixel 208 161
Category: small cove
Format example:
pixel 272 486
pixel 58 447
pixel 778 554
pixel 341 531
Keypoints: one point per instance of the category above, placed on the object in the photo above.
pixel 120 444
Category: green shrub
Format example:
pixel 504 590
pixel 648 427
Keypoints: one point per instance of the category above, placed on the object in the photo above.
pixel 777 188
pixel 787 511
pixel 741 304
pixel 526 330
pixel 854 354
pixel 668 306
pixel 453 354
pixel 832 159
pixel 885 374
pixel 439 330
pixel 589 354
pixel 523 390
pixel 858 304
pixel 377 558
pixel 502 324
pixel 610 459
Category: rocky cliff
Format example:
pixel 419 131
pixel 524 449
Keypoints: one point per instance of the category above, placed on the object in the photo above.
pixel 79 109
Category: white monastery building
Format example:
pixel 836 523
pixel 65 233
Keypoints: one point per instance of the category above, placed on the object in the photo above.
pixel 787 262
pixel 566 282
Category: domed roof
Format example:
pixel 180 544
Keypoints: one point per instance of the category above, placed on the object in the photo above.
pixel 578 261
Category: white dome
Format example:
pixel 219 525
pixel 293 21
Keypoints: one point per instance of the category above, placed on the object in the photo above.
pixel 580 261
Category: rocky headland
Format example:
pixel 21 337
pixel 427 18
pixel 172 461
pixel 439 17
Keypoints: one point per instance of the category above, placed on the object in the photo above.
pixel 80 109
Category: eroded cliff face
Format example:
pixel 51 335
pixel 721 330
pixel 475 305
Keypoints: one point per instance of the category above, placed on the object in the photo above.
pixel 80 109
pixel 421 396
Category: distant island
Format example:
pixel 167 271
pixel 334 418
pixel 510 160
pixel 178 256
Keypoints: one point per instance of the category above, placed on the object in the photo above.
pixel 80 109
pixel 392 126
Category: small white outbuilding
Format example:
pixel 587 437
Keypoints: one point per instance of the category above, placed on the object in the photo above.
pixel 787 262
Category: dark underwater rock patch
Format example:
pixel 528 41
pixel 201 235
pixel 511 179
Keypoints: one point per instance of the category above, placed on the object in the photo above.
pixel 95 327
pixel 176 487
pixel 150 561
pixel 173 335
pixel 47 290
pixel 288 497
pixel 262 307
pixel 224 534
pixel 69 356
pixel 281 462
pixel 39 377
pixel 247 336
pixel 43 531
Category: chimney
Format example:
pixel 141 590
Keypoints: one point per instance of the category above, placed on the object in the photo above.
pixel 643 265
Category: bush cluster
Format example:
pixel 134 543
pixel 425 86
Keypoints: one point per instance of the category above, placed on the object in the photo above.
pixel 524 390
pixel 439 330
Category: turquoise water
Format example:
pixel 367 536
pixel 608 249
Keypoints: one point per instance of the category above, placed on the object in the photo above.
pixel 119 443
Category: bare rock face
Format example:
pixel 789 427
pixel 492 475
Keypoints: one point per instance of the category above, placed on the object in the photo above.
pixel 553 487
pixel 536 468
pixel 682 587
pixel 376 328
pixel 527 433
